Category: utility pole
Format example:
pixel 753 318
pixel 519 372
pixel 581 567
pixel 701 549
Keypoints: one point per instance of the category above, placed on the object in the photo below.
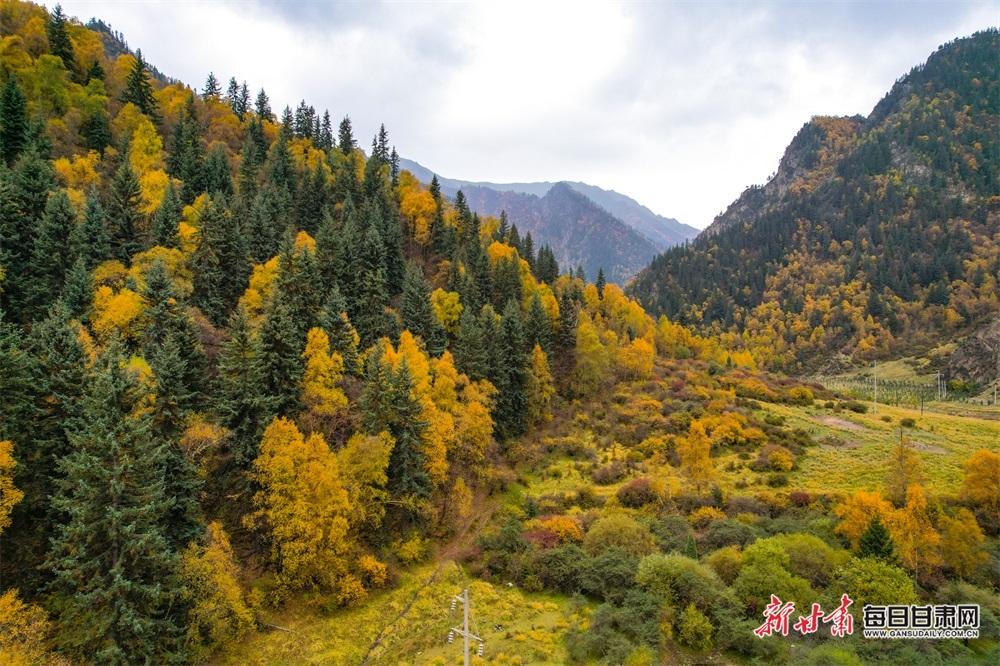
pixel 464 632
pixel 875 392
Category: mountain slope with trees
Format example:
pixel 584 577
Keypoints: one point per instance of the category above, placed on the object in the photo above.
pixel 877 236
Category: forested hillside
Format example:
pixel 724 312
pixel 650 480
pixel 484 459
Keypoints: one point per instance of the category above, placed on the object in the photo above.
pixel 265 398
pixel 876 236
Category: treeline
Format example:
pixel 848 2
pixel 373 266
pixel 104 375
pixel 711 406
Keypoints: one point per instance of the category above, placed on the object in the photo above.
pixel 876 238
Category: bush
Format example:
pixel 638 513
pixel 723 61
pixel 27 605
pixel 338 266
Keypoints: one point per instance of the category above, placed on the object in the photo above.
pixel 870 581
pixel 610 575
pixel 777 480
pixel 855 406
pixel 637 493
pixel 700 518
pixel 774 419
pixel 724 533
pixel 671 533
pixel 695 629
pixel 800 395
pixel 886 418
pixel 726 563
pixel 799 498
pixel 563 568
pixel 608 474
pixel 908 423
pixel 681 581
pixel 619 530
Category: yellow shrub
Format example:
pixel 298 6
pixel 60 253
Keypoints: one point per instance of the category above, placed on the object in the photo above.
pixel 700 518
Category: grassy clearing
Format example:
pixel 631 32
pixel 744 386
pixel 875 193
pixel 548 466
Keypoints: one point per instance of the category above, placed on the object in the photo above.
pixel 532 626
pixel 853 450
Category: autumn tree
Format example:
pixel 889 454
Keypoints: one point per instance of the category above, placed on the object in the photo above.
pixel 591 357
pixel 917 540
pixel 540 388
pixel 302 508
pixel 962 544
pixel 363 463
pixel 209 573
pixel 857 512
pixel 904 471
pixel 982 483
pixel 694 451
pixel 9 495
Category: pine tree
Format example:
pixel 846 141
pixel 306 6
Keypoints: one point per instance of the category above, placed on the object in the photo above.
pixel 124 216
pixel 326 132
pixel 212 89
pixel 418 316
pixel 219 262
pixel 566 334
pixel 96 129
pixel 268 218
pixel 78 291
pixel 312 201
pixel 242 404
pixel 601 282
pixel 343 338
pixel 506 281
pixel 13 121
pixel 876 542
pixel 370 316
pixel 116 585
pixel 138 90
pixel 59 42
pixel 167 219
pixel 503 229
pixel 528 250
pixel 187 156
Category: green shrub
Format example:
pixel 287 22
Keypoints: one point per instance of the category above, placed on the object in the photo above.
pixel 695 630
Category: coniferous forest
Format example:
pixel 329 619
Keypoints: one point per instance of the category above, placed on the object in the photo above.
pixel 267 398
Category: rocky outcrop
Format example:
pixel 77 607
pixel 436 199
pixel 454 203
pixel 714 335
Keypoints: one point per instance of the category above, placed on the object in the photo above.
pixel 978 358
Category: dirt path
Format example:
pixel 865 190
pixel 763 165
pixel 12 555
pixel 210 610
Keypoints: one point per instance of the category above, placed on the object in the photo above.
pixel 447 557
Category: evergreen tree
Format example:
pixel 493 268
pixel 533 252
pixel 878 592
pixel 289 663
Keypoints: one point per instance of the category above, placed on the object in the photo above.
pixel 326 132
pixel 506 281
pixel 167 219
pixel 512 378
pixel 279 170
pixel 328 250
pixel 345 137
pixel 601 282
pixel 51 253
pixel 343 338
pixel 546 267
pixel 217 176
pixel 418 316
pixel 691 547
pixel 59 42
pixel 470 347
pixel 116 588
pixel 503 229
pixel 242 404
pixel 281 349
pixel 90 239
pixel 78 292
pixel 96 129
pixel 312 201
pixel 212 89
pixel 514 238
pixel 138 90
pixel 219 262
pixel 124 216
pixel 187 156
pixel 528 250
pixel 13 121
pixel 538 328
pixel 566 334
pixel 388 404
pixel 263 107
pixel 370 316
pixel 876 542
pixel 268 217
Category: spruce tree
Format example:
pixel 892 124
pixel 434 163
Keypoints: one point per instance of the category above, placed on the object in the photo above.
pixel 13 121
pixel 876 542
pixel 116 589
pixel 90 239
pixel 373 294
pixel 281 349
pixel 601 282
pixel 538 328
pixel 345 137
pixel 167 218
pixel 267 219
pixel 52 255
pixel 506 281
pixel 263 107
pixel 566 334
pixel 212 89
pixel 138 90
pixel 691 547
pixel 418 316
pixel 59 42
pixel 528 250
pixel 216 174
pixel 503 229
pixel 343 338
pixel 470 347
pixel 78 291
pixel 96 129
pixel 220 262
pixel 124 215
pixel 242 403
pixel 512 378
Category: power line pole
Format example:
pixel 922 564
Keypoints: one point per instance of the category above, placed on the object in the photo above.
pixel 875 392
pixel 464 632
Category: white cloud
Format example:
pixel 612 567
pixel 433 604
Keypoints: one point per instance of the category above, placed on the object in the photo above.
pixel 677 104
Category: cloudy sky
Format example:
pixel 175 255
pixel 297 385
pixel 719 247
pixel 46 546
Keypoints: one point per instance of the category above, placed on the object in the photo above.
pixel 679 105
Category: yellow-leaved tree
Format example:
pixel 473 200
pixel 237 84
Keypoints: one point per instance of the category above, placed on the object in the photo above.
pixel 363 464
pixel 857 512
pixel 695 453
pixel 9 495
pixel 540 388
pixel 591 357
pixel 916 539
pixel 321 393
pixel 962 544
pixel 302 508
pixel 218 612
pixel 982 483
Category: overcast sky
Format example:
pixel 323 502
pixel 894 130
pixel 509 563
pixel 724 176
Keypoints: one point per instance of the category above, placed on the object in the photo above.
pixel 679 105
